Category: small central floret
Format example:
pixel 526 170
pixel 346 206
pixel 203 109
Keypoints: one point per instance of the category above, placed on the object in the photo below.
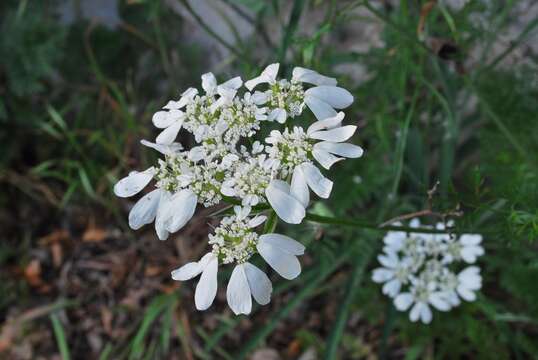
pixel 289 148
pixel 234 240
pixel 287 95
pixel 177 172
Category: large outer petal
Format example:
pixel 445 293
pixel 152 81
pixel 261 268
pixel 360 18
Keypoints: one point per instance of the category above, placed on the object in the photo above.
pixel 260 285
pixel 316 181
pixel 325 158
pixel 192 269
pixel 299 187
pixel 209 83
pixel 345 150
pixel 165 149
pixel 206 290
pixel 287 207
pixel 320 108
pixel 337 97
pixel 283 243
pixel 133 183
pixel 326 124
pixel 180 209
pixel 238 292
pixel 335 135
pixel 161 218
pixel 145 210
pixel 285 264
pixel 169 135
pixel 268 75
pixel 312 77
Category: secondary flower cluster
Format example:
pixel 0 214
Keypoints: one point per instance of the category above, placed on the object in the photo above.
pixel 419 270
pixel 227 164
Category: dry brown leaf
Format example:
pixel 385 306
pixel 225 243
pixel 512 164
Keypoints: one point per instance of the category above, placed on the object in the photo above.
pixel 54 237
pixel 94 234
pixel 32 273
pixel 57 254
pixel 153 270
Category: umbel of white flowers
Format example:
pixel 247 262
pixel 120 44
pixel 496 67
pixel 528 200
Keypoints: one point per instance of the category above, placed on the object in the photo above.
pixel 228 165
pixel 421 270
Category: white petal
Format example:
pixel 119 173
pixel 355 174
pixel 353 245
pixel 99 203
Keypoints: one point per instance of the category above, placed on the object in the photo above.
pixel 162 216
pixel 392 288
pixel 415 312
pixel 470 253
pixel 389 260
pixel 161 119
pixel 287 207
pixel 256 221
pixel 197 153
pixel 180 209
pixel 238 292
pixel 337 97
pixel 312 77
pixel 209 83
pixel 267 76
pixel 466 294
pixel 206 290
pixel 439 302
pixel 260 285
pixel 163 149
pixel 471 239
pixel 145 210
pixel 326 124
pixel 425 314
pixel 168 135
pixel 321 109
pixel 133 183
pixel 187 271
pixel 283 243
pixel 403 301
pixel 186 97
pixel 324 158
pixel 316 181
pixel 345 150
pixel 299 187
pixel 381 275
pixel 259 98
pixel 279 115
pixel 234 83
pixel 336 135
pixel 285 264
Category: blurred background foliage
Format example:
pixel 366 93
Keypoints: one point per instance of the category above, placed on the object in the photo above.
pixel 445 92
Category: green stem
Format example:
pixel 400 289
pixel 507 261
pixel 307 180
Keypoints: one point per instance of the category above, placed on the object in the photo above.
pixel 364 225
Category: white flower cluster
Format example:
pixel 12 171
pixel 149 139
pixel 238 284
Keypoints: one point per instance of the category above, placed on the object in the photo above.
pixel 228 165
pixel 419 270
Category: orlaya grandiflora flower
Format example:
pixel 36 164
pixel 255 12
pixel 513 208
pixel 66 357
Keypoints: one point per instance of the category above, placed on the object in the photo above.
pixel 169 211
pixel 235 241
pixel 173 118
pixel 295 151
pixel 418 270
pixel 288 98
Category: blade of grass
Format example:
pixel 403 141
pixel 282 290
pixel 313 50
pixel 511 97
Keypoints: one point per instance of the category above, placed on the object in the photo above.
pixel 362 258
pixel 400 147
pixel 59 334
pixel 154 309
pixel 293 22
